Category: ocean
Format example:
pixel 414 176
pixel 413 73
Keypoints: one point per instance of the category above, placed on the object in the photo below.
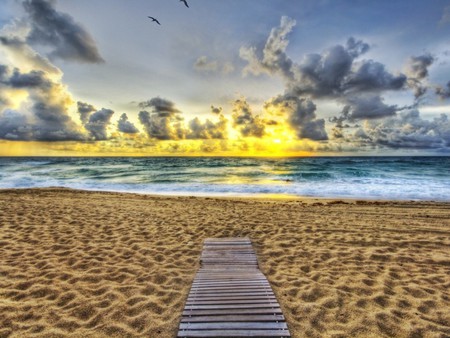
pixel 389 178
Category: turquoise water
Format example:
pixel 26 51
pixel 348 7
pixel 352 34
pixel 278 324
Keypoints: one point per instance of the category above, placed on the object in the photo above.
pixel 398 178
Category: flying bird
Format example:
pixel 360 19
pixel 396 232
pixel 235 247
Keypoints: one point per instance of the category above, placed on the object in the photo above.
pixel 185 3
pixel 153 19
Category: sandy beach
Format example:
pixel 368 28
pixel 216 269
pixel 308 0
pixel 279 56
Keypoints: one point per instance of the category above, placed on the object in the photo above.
pixel 95 264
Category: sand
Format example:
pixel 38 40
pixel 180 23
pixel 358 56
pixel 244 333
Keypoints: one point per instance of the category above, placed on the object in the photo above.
pixel 94 264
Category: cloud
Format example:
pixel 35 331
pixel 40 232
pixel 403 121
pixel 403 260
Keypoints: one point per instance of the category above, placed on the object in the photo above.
pixel 216 110
pixel 245 121
pixel 367 106
pixel 98 123
pixel 14 126
pixel 35 78
pixel 445 16
pixel 407 131
pixel 208 129
pixel 24 55
pixel 125 126
pixel 370 76
pixel 85 109
pixel 301 116
pixel 417 66
pixel 46 110
pixel 274 58
pixel 160 106
pixel 443 92
pixel 162 125
pixel 333 73
pixel 203 65
pixel 417 70
pixel 68 39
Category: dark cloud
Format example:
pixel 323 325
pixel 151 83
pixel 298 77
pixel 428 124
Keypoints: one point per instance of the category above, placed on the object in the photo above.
pixel 301 116
pixel 247 123
pixel 49 123
pixel 356 47
pixel 98 124
pixel 85 109
pixel 162 125
pixel 369 76
pixel 207 130
pixel 443 92
pixel 160 106
pixel 417 66
pixel 3 72
pixel 46 118
pixel 216 110
pixel 164 122
pixel 407 130
pixel 22 53
pixel 28 80
pixel 68 39
pixel 367 107
pixel 333 73
pixel 14 126
pixel 125 126
pixel 417 70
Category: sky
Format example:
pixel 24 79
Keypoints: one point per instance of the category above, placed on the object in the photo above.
pixel 224 78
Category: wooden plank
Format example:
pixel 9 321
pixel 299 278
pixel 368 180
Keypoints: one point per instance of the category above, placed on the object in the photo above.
pixel 233 318
pixel 212 312
pixel 221 302
pixel 234 333
pixel 225 300
pixel 243 281
pixel 231 287
pixel 233 326
pixel 233 306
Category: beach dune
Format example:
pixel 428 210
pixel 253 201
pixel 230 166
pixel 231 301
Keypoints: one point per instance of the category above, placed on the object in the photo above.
pixel 97 264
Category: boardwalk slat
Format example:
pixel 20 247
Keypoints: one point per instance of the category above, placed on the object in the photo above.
pixel 233 325
pixel 234 318
pixel 234 333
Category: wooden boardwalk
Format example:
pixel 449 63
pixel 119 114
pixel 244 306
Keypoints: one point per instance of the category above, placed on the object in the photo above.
pixel 230 297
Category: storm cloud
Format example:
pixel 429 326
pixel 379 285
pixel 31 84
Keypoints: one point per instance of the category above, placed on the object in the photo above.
pixel 125 126
pixel 98 123
pixel 302 117
pixel 407 130
pixel 85 109
pixel 208 129
pixel 46 117
pixel 443 92
pixel 67 38
pixel 160 106
pixel 417 70
pixel 247 123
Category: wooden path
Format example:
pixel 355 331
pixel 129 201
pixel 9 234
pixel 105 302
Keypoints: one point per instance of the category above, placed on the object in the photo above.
pixel 230 297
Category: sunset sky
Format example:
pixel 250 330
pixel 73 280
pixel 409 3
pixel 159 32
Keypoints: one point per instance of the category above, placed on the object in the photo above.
pixel 234 77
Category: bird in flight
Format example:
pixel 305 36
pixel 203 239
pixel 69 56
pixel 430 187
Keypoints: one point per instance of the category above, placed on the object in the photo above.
pixel 153 19
pixel 185 3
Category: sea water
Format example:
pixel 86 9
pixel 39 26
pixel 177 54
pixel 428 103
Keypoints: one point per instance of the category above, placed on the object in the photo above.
pixel 391 178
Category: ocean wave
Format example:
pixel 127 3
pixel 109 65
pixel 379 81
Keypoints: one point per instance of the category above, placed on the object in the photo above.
pixel 375 178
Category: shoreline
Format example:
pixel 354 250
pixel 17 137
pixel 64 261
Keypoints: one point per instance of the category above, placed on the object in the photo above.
pixel 231 196
pixel 104 264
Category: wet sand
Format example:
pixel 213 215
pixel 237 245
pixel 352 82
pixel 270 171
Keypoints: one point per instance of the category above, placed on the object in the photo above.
pixel 95 264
